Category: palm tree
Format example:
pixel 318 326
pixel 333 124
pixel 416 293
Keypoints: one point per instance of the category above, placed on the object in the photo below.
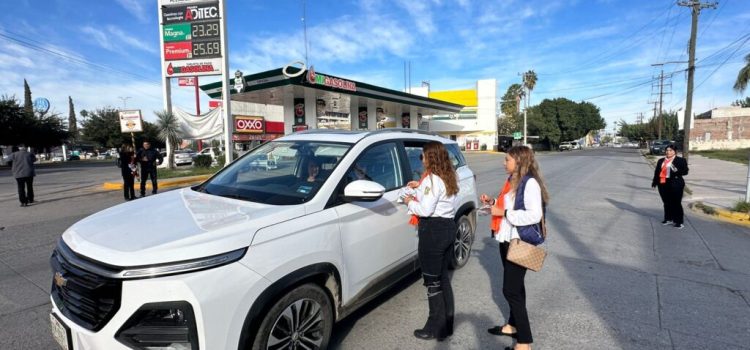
pixel 169 132
pixel 743 77
pixel 529 82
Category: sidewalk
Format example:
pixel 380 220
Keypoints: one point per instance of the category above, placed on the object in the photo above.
pixel 714 182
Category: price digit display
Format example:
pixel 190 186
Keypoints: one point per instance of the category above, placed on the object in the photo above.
pixel 205 30
pixel 206 49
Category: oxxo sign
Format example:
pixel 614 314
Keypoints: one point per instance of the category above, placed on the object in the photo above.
pixel 249 125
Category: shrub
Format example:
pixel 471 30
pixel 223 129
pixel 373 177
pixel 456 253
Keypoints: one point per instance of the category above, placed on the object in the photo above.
pixel 202 161
pixel 741 206
pixel 705 208
pixel 483 147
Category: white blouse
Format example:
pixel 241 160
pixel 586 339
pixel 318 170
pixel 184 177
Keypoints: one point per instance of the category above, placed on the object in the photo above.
pixel 532 200
pixel 432 200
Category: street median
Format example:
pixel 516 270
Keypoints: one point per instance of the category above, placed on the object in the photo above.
pixel 730 216
pixel 166 183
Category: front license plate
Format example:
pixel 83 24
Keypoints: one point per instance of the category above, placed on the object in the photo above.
pixel 60 332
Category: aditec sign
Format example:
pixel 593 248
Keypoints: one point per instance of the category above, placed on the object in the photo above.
pixel 248 125
pixel 191 37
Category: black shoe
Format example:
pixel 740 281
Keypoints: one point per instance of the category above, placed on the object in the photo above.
pixel 498 330
pixel 24 205
pixel 31 201
pixel 667 222
pixel 426 335
pixel 679 226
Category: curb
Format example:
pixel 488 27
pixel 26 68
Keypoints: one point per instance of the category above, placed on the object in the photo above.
pixel 733 217
pixel 174 182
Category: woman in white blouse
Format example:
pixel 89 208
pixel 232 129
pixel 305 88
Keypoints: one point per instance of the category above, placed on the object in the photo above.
pixel 509 211
pixel 432 204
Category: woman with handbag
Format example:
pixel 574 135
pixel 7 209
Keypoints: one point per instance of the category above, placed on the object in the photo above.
pixel 519 205
pixel 431 201
pixel 668 178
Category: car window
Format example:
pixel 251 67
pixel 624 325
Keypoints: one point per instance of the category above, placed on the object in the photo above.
pixel 278 172
pixel 413 152
pixel 380 164
pixel 455 155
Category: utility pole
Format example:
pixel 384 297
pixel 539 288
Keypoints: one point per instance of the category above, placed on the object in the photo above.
pixel 696 7
pixel 124 101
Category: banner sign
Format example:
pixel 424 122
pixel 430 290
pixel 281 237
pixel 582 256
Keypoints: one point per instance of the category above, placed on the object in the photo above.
pixel 131 121
pixel 325 80
pixel 177 32
pixel 187 81
pixel 249 124
pixel 209 66
pixel 362 118
pixel 299 111
pixel 214 104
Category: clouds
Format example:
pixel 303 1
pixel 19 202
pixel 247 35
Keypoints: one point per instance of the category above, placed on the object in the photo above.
pixel 111 38
pixel 136 8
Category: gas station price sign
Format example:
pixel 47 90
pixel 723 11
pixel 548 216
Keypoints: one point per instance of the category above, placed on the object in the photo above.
pixel 191 34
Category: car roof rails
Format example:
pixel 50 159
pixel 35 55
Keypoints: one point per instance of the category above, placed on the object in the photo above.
pixel 405 130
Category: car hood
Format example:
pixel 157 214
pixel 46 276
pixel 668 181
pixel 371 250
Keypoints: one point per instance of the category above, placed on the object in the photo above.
pixel 172 226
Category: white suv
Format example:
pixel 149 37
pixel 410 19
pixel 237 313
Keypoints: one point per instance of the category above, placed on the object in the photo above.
pixel 252 258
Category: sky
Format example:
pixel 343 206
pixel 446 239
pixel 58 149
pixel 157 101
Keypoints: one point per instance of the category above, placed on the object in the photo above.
pixel 106 53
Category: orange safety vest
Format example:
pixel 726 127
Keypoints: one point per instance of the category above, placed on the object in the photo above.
pixel 497 220
pixel 414 220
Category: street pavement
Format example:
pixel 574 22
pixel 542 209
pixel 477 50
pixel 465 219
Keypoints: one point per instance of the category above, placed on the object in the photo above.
pixel 615 278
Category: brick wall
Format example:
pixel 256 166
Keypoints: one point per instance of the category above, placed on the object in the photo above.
pixel 728 128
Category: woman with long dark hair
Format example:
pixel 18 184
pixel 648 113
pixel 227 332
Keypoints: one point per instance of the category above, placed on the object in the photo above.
pixel 668 178
pixel 520 203
pixel 433 208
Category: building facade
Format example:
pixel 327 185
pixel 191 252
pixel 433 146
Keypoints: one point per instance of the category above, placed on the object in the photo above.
pixel 721 128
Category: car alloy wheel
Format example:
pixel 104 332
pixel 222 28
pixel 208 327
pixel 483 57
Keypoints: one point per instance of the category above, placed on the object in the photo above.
pixel 462 243
pixel 301 319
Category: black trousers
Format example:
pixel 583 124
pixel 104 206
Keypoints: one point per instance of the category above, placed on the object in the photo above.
pixel 25 189
pixel 145 173
pixel 436 237
pixel 671 196
pixel 514 291
pixel 128 185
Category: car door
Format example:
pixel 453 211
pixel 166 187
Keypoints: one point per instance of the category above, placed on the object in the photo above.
pixel 376 237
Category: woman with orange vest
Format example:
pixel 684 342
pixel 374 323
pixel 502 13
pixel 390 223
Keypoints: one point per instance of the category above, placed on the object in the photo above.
pixel 520 203
pixel 668 178
pixel 432 204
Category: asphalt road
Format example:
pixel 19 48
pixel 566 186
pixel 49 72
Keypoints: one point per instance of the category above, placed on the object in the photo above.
pixel 614 278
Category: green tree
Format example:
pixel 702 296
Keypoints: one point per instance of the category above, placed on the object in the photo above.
pixel 17 125
pixel 561 119
pixel 529 82
pixel 103 127
pixel 510 103
pixel 28 106
pixel 742 103
pixel 743 76
pixel 507 124
pixel 72 124
pixel 169 131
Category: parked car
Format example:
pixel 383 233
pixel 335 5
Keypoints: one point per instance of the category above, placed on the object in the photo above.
pixel 569 146
pixel 183 157
pixel 73 157
pixel 244 259
pixel 657 147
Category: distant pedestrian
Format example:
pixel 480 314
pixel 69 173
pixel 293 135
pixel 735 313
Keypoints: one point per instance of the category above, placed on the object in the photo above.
pixel 668 179
pixel 23 170
pixel 520 203
pixel 432 202
pixel 128 170
pixel 149 160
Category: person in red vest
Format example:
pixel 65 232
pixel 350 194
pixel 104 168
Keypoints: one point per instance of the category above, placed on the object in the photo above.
pixel 520 203
pixel 433 207
pixel 668 179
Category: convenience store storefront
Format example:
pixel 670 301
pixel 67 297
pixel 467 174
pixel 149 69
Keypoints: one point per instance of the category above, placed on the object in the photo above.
pixel 311 100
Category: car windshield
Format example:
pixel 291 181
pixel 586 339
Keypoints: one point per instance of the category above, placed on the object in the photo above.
pixel 278 172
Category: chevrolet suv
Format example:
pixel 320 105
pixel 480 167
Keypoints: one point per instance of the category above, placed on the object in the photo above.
pixel 252 258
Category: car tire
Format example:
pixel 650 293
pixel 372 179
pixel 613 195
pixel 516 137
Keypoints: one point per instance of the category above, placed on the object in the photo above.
pixel 306 307
pixel 462 243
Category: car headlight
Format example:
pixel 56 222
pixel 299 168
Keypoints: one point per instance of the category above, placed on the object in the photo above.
pixel 161 326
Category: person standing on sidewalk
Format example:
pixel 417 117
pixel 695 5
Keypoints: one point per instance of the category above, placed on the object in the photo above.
pixel 511 209
pixel 668 178
pixel 149 159
pixel 432 205
pixel 128 171
pixel 23 170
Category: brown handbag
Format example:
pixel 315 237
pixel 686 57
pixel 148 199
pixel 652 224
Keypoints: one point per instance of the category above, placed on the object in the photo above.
pixel 528 255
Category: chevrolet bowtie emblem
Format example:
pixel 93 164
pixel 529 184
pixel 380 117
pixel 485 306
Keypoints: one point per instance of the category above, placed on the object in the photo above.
pixel 60 281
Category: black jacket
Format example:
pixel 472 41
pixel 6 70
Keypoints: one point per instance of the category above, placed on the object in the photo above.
pixel 151 157
pixel 682 170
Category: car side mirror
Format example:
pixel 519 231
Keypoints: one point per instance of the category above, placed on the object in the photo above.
pixel 363 191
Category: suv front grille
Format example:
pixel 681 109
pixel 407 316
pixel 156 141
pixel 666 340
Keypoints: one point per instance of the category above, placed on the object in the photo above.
pixel 86 298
